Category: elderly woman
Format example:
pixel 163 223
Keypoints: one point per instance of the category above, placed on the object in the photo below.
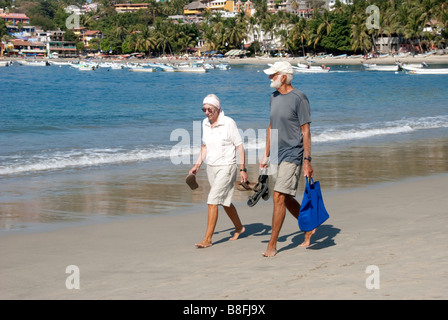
pixel 221 140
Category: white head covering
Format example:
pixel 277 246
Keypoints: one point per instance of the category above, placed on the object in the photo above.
pixel 213 101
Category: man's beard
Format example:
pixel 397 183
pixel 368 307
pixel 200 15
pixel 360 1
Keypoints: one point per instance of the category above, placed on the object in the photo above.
pixel 277 83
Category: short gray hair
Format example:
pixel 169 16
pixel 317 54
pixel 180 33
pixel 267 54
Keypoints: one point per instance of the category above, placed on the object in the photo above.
pixel 289 77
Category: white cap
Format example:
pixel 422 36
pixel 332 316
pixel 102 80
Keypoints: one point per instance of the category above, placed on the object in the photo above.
pixel 280 66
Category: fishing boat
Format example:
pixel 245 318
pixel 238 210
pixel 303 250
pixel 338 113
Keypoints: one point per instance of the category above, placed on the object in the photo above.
pixel 33 63
pixel 141 69
pixel 84 66
pixel 223 66
pixel 5 63
pixel 190 68
pixel 58 63
pixel 380 67
pixel 305 68
pixel 413 70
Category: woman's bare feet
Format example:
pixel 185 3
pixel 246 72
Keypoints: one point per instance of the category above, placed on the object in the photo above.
pixel 203 244
pixel 308 235
pixel 237 233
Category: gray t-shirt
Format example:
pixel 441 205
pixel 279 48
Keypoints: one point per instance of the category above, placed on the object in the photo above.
pixel 288 113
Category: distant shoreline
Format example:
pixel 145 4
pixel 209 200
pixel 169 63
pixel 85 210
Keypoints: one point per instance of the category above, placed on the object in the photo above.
pixel 432 59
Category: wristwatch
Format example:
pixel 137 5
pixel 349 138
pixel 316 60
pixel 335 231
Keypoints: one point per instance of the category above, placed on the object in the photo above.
pixel 245 170
pixel 308 158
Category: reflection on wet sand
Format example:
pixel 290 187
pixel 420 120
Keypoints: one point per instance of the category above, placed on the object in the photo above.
pixel 142 189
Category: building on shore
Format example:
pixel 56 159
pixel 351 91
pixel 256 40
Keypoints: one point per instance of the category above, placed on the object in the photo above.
pixel 14 18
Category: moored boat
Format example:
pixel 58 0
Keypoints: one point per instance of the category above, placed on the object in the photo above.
pixel 84 66
pixel 141 69
pixel 412 70
pixel 305 68
pixel 189 68
pixel 33 63
pixel 5 63
pixel 378 67
pixel 59 63
pixel 223 66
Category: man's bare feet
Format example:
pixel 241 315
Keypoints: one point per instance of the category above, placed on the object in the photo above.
pixel 308 235
pixel 203 244
pixel 270 252
pixel 237 233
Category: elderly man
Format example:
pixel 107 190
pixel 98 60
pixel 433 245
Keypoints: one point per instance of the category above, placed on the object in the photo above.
pixel 290 117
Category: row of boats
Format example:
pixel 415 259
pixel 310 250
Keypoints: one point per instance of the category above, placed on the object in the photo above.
pixel 197 67
pixel 422 68
pixel 202 67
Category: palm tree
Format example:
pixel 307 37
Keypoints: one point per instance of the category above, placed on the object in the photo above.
pixel 413 28
pixel 299 33
pixel 359 37
pixel 146 41
pixel 235 32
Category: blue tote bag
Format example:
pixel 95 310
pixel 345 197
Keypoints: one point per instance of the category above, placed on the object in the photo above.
pixel 312 209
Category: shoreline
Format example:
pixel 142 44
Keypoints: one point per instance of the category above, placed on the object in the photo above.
pixel 431 59
pixel 108 193
pixel 386 225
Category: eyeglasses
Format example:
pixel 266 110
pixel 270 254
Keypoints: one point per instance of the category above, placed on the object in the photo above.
pixel 210 110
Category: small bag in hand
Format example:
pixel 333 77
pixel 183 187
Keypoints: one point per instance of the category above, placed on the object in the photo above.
pixel 312 209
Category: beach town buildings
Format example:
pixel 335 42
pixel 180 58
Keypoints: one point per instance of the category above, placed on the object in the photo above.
pixel 14 18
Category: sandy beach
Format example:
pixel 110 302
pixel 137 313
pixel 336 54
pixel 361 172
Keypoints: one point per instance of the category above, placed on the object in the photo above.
pixel 399 228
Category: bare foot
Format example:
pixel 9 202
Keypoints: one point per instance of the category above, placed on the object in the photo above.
pixel 270 252
pixel 308 235
pixel 203 244
pixel 237 233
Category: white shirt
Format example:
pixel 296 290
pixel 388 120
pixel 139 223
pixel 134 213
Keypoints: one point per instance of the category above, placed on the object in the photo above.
pixel 221 140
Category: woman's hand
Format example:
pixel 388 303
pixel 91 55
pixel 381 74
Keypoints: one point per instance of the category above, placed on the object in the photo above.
pixel 195 169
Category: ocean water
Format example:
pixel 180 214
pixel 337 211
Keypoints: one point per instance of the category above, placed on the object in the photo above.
pixel 79 145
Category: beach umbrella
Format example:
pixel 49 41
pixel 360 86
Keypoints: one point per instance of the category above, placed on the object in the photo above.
pixel 236 52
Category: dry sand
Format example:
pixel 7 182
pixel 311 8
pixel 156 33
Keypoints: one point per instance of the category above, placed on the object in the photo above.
pixel 398 227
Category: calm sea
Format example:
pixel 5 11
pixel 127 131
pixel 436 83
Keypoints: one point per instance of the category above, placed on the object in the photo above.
pixel 79 145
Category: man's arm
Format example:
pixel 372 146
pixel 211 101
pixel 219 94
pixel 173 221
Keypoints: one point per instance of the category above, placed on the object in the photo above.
pixel 306 134
pixel 267 150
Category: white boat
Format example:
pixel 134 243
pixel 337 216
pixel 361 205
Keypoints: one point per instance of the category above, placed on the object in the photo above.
pixel 223 66
pixel 413 65
pixel 188 68
pixel 84 66
pixel 5 63
pixel 413 70
pixel 161 66
pixel 141 69
pixel 59 63
pixel 305 68
pixel 358 56
pixel 110 65
pixel 379 67
pixel 33 63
